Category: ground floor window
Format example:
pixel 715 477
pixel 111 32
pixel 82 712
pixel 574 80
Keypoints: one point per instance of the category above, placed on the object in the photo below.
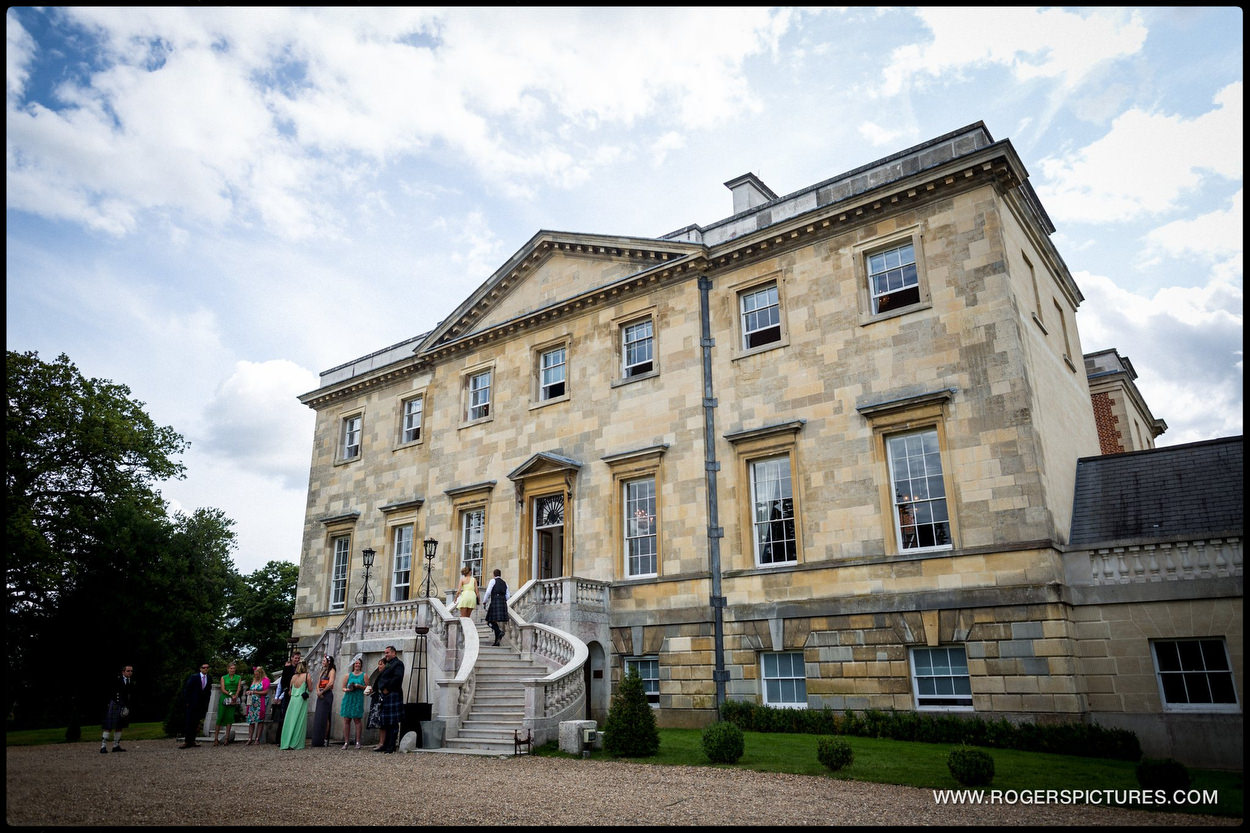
pixel 648 668
pixel 1194 674
pixel 940 678
pixel 784 679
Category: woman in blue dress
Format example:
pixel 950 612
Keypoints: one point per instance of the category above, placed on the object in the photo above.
pixel 352 709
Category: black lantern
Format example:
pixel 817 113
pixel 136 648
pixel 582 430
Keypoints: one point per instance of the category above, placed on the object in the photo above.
pixel 368 555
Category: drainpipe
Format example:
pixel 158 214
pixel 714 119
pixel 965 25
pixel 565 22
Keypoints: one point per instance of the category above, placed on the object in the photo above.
pixel 714 531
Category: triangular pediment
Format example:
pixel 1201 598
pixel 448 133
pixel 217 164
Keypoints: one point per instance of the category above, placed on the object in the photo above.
pixel 551 269
pixel 544 462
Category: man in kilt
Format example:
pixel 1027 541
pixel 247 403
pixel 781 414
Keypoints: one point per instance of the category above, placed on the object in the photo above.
pixel 117 710
pixel 391 684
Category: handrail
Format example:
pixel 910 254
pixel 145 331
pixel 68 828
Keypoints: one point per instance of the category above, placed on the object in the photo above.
pixel 564 687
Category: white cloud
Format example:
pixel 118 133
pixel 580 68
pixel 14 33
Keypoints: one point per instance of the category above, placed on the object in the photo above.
pixel 19 46
pixel 255 420
pixel 1184 342
pixel 1216 235
pixel 1032 43
pixel 878 135
pixel 230 115
pixel 1145 163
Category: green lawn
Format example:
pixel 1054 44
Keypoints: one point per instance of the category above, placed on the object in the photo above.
pixel 924 765
pixel 35 737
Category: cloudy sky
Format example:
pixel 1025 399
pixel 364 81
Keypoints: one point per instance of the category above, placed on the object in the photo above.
pixel 213 206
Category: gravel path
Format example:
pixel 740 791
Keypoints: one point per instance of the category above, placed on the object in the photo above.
pixel 155 783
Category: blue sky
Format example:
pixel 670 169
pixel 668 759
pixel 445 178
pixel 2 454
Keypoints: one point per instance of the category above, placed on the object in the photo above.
pixel 213 205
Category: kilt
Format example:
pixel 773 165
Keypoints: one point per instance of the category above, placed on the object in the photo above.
pixel 113 716
pixel 392 708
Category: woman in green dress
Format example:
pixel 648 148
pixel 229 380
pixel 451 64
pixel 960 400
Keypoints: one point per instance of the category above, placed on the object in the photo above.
pixel 231 685
pixel 352 709
pixel 295 726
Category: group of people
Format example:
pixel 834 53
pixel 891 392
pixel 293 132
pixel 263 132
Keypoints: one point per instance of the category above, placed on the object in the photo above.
pixel 383 688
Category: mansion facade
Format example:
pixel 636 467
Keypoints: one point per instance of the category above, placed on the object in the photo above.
pixel 823 453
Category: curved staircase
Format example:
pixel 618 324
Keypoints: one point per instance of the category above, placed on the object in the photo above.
pixel 498 707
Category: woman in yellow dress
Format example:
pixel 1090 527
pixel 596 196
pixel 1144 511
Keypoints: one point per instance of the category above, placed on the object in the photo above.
pixel 467 600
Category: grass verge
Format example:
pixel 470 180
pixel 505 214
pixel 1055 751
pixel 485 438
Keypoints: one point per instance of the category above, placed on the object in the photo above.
pixel 923 765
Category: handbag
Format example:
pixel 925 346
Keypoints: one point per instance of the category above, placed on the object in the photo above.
pixel 125 712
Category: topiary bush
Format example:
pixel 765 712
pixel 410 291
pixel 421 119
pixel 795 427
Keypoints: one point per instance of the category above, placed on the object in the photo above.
pixel 971 767
pixel 834 753
pixel 723 742
pixel 630 730
pixel 1166 774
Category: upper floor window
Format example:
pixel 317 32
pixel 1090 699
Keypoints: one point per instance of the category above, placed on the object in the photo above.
pixel 478 396
pixel 893 279
pixel 349 440
pixel 772 502
pixel 784 678
pixel 761 316
pixel 414 409
pixel 473 540
pixel 639 516
pixel 940 678
pixel 401 570
pixel 919 491
pixel 338 572
pixel 552 366
pixel 1194 675
pixel 637 349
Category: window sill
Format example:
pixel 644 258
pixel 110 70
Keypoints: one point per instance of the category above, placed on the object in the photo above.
pixel 886 316
pixel 555 400
pixel 1040 325
pixel 409 444
pixel 347 461
pixel 478 421
pixel 763 348
pixel 629 380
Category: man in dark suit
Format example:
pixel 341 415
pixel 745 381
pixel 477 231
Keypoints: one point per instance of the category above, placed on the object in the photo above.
pixel 391 684
pixel 195 693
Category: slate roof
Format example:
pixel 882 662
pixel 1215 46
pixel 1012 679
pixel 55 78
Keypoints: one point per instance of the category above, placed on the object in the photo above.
pixel 1172 493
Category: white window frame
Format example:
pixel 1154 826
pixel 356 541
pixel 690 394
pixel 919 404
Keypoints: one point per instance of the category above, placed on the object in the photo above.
pixel 639 530
pixel 412 420
pixel 553 375
pixel 473 540
pixel 915 507
pixel 401 563
pixel 351 432
pixel 775 680
pixel 1213 653
pixel 341 546
pixel 762 528
pixel 954 662
pixel 891 264
pixel 750 317
pixel 477 394
pixel 648 668
pixel 639 367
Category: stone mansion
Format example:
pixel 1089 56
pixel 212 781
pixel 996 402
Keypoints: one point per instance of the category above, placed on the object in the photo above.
pixel 841 449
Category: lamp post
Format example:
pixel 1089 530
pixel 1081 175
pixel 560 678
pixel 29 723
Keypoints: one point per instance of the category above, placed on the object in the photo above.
pixel 430 547
pixel 368 555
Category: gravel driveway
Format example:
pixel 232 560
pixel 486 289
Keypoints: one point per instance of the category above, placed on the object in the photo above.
pixel 155 783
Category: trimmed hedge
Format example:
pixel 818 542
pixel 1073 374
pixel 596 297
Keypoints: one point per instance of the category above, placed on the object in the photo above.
pixel 971 767
pixel 723 743
pixel 1084 739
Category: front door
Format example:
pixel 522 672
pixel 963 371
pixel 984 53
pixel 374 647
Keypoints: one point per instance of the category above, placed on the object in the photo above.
pixel 549 536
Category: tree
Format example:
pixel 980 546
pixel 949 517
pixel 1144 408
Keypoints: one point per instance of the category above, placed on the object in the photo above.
pixel 261 610
pixel 630 730
pixel 97 570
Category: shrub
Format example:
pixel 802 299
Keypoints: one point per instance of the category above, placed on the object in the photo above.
pixel 1166 774
pixel 1085 739
pixel 723 743
pixel 971 767
pixel 630 730
pixel 834 753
